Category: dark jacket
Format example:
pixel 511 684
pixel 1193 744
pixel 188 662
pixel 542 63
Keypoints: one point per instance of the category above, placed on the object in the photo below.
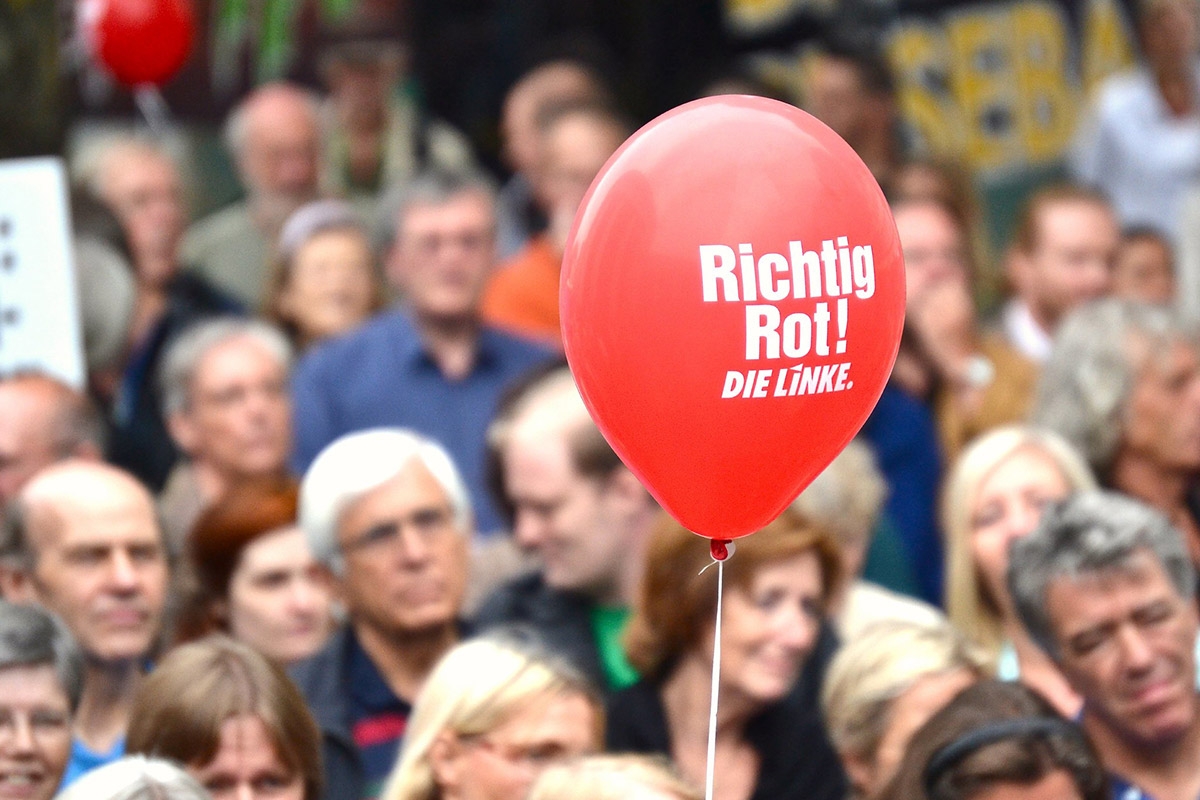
pixel 795 756
pixel 563 619
pixel 323 679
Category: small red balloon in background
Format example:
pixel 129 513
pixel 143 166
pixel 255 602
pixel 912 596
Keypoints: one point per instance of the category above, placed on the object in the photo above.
pixel 732 299
pixel 142 41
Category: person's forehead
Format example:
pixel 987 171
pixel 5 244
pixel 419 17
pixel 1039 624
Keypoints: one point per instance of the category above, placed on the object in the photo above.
pixel 235 356
pixel 1078 593
pixel 1076 218
pixel 92 510
pixel 411 486
pixel 469 207
pixel 31 683
pixel 27 408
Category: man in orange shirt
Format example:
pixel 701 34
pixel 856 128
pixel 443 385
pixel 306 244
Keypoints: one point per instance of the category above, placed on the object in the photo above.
pixel 523 294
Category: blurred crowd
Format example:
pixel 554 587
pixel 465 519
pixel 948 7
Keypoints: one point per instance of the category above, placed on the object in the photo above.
pixel 330 519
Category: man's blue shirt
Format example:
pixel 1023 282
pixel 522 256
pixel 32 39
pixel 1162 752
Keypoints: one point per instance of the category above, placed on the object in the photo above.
pixel 381 375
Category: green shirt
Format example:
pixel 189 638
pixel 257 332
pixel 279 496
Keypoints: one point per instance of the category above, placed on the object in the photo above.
pixel 608 624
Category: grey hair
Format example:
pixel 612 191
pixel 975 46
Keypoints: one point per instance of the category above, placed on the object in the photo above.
pixel 848 494
pixel 358 462
pixel 136 778
pixel 237 126
pixel 178 369
pixel 1087 533
pixel 31 636
pixel 89 166
pixel 433 187
pixel 1085 385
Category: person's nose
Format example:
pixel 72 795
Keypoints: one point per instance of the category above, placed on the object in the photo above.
pixel 1137 655
pixel 799 631
pixel 123 575
pixel 21 741
pixel 529 529
pixel 244 791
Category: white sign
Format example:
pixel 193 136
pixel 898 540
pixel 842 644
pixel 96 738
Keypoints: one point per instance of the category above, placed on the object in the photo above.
pixel 39 306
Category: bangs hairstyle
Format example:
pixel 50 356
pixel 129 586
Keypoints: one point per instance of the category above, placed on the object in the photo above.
pixel 474 689
pixel 676 602
pixel 180 708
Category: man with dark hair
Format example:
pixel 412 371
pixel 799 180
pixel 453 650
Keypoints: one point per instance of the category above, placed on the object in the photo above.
pixel 42 420
pixel 431 364
pixel 1105 586
pixel 584 514
pixel 1061 257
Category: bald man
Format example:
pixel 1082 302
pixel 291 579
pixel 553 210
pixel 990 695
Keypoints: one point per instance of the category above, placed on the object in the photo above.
pixel 42 420
pixel 82 540
pixel 519 213
pixel 274 138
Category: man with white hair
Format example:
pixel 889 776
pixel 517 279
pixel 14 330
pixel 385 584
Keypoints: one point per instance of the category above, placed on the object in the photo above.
pixel 274 137
pixel 225 396
pixel 387 513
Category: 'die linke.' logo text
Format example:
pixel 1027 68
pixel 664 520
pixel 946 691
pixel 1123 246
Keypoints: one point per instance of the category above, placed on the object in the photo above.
pixel 836 271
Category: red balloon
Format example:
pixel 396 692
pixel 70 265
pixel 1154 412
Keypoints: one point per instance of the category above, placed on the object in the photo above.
pixel 143 41
pixel 732 298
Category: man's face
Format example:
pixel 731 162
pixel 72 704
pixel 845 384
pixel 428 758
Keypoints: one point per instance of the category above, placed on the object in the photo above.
pixel 564 517
pixel 444 254
pixel 1125 641
pixel 405 555
pixel 573 151
pixel 933 248
pixel 1162 416
pixel 239 415
pixel 1071 259
pixel 144 191
pixel 280 159
pixel 26 435
pixel 100 565
pixel 836 96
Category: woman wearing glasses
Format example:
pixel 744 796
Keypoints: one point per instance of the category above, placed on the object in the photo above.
pixel 495 711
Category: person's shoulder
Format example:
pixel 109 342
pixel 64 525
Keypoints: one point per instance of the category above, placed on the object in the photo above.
pixel 384 330
pixel 1124 92
pixel 324 670
pixel 220 223
pixel 635 720
pixel 515 601
pixel 518 350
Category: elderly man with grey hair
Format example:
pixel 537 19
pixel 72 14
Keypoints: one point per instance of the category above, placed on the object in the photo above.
pixel 1123 386
pixel 225 397
pixel 430 364
pixel 1105 586
pixel 41 681
pixel 274 136
pixel 387 513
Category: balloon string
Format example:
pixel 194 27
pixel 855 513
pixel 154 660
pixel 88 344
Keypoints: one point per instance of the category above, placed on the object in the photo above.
pixel 154 109
pixel 719 553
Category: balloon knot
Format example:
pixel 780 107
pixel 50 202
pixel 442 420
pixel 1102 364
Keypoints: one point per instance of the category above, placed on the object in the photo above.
pixel 719 549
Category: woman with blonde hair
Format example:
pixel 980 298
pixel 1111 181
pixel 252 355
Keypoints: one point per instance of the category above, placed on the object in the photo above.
pixel 883 685
pixel 494 712
pixel 613 777
pixel 777 586
pixel 994 494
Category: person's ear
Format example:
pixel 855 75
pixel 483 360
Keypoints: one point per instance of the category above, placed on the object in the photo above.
pixel 16 584
pixel 626 492
pixel 446 762
pixel 183 431
pixel 861 773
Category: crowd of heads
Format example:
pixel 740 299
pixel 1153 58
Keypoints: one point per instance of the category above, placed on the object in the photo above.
pixel 330 517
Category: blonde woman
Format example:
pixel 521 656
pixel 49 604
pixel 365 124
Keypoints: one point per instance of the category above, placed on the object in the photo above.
pixel 613 777
pixel 494 712
pixel 886 683
pixel 995 493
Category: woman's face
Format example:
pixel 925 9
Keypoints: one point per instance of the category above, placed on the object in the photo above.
pixel 503 763
pixel 908 712
pixel 279 601
pixel 769 628
pixel 330 285
pixel 247 766
pixel 35 732
pixel 1007 506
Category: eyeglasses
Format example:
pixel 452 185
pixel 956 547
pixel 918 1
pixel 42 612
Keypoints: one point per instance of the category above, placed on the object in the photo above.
pixel 41 723
pixel 536 756
pixel 426 523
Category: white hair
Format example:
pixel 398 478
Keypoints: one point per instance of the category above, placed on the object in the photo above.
pixel 136 778
pixel 183 356
pixel 358 462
